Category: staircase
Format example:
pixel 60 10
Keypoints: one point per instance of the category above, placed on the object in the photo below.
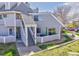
pixel 30 38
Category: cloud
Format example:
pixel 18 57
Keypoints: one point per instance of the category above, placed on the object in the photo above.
pixel 65 3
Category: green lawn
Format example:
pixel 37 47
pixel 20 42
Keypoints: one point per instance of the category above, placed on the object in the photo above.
pixel 8 49
pixel 77 34
pixel 61 51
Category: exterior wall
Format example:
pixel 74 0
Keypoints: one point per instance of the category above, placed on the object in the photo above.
pixel 18 23
pixel 10 20
pixel 47 21
pixel 3 31
pixel 1 22
pixel 4 35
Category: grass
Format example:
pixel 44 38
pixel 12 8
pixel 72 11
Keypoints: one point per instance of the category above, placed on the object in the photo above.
pixel 8 49
pixel 61 51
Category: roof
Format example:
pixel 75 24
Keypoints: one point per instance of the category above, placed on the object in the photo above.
pixel 16 6
pixel 43 13
pixel 22 8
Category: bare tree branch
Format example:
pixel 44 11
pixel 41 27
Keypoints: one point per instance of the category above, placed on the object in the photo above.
pixel 61 13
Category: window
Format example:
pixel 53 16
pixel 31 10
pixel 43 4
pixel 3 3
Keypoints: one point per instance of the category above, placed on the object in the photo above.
pixel 36 18
pixel 52 31
pixel 0 16
pixel 38 30
pixel 4 15
pixel 10 31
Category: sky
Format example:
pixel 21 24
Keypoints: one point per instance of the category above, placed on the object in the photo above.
pixel 45 6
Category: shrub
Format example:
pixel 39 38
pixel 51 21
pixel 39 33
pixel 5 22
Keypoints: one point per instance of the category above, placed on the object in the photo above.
pixel 44 46
pixel 10 52
pixel 67 38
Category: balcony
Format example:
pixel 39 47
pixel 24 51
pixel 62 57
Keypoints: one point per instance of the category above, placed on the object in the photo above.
pixel 7 39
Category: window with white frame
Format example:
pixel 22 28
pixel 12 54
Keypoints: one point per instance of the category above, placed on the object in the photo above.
pixel 52 31
pixel 36 18
pixel 38 30
pixel 10 31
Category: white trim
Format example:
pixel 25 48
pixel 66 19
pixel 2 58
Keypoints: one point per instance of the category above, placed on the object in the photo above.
pixel 14 18
pixel 10 12
pixel 57 20
pixel 26 36
pixel 4 39
pixel 35 34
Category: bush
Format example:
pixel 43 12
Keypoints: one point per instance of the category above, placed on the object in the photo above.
pixel 67 38
pixel 44 46
pixel 10 52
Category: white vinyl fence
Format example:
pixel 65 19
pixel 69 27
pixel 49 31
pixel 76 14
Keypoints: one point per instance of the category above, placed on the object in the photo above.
pixel 7 39
pixel 47 38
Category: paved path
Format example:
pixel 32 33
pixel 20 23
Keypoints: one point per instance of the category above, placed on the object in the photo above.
pixel 24 51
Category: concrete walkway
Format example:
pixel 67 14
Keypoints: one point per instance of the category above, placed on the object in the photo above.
pixel 25 51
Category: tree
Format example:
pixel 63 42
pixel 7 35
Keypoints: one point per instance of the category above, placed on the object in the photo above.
pixel 62 12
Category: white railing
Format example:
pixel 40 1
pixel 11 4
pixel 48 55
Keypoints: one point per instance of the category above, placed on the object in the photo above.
pixel 1 22
pixel 7 39
pixel 23 35
pixel 47 38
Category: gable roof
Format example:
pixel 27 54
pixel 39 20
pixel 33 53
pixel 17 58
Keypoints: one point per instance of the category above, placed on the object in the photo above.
pixel 41 13
pixel 21 7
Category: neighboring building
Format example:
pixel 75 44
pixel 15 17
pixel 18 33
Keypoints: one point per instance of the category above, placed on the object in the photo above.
pixel 18 23
pixel 48 27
